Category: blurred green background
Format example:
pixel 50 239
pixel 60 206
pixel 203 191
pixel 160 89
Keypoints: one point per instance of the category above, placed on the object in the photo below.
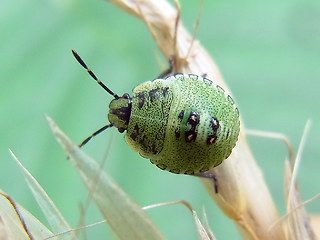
pixel 268 52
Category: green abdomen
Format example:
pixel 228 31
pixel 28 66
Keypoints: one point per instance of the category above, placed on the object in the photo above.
pixel 183 124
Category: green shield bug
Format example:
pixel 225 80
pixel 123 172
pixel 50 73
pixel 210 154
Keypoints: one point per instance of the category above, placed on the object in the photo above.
pixel 183 123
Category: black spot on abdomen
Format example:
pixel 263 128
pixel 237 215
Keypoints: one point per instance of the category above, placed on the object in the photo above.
pixel 193 120
pixel 214 124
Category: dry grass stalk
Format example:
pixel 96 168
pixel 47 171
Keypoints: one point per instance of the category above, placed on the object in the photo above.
pixel 297 221
pixel 243 195
pixel 298 224
pixel 315 223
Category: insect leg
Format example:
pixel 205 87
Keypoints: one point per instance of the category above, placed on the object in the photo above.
pixel 204 75
pixel 211 176
pixel 172 57
pixel 169 70
pixel 175 52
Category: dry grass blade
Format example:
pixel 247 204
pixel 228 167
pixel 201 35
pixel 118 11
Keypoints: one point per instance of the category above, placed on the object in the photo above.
pixel 12 219
pixel 50 211
pixel 273 135
pixel 206 224
pixel 298 223
pixel 243 195
pixel 315 223
pixel 125 217
pixel 295 165
pixel 20 219
pixel 301 205
pixel 204 232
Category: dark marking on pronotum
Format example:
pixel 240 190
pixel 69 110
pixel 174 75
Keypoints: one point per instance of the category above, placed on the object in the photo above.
pixel 153 94
pixel 153 149
pixel 135 133
pixel 214 124
pixel 165 91
pixel 193 120
pixel 157 92
pixel 141 99
pixel 143 141
pixel 138 135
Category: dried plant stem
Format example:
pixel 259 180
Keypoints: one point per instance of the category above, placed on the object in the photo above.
pixel 243 195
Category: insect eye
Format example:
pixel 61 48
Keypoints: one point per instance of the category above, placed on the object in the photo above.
pixel 126 96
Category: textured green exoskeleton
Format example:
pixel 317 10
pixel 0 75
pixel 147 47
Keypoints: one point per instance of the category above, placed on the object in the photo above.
pixel 183 123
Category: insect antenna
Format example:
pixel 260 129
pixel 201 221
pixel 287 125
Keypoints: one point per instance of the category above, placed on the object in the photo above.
pixel 95 133
pixel 82 63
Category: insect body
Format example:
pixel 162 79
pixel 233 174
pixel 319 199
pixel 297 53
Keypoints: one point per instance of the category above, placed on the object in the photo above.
pixel 183 123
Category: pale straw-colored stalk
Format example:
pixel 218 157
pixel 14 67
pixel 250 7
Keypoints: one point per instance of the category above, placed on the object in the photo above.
pixel 243 195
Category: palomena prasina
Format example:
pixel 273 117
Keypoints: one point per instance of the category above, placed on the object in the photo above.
pixel 183 123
